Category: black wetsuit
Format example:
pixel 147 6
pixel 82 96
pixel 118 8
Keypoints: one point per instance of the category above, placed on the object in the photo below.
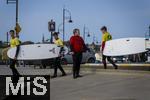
pixel 15 73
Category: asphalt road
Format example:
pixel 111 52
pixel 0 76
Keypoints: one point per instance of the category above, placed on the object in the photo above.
pixel 103 85
pixel 96 84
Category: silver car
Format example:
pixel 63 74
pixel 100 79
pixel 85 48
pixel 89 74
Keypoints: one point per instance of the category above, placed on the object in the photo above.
pixel 88 57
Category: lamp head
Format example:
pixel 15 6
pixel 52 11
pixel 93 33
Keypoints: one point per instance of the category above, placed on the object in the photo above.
pixel 88 35
pixel 70 21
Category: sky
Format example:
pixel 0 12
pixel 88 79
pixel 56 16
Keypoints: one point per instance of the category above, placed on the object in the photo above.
pixel 124 18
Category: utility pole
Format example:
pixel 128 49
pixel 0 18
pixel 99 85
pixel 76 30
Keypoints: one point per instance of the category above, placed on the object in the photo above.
pixel 63 24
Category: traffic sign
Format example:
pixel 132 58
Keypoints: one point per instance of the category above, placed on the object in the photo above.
pixel 51 26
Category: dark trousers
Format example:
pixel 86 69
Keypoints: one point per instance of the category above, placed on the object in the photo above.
pixel 15 73
pixel 57 65
pixel 109 59
pixel 77 58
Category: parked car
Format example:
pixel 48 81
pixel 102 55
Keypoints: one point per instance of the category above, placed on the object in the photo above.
pixel 88 57
pixel 119 59
pixel 140 57
pixel 115 59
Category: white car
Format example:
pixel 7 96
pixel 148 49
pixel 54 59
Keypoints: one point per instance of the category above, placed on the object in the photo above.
pixel 88 57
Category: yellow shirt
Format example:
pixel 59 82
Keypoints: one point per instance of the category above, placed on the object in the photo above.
pixel 14 42
pixel 59 42
pixel 105 37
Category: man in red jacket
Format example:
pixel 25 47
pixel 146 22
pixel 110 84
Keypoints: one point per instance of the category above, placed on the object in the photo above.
pixel 77 46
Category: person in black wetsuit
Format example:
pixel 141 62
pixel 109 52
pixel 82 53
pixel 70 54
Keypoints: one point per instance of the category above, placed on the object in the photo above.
pixel 57 61
pixel 14 42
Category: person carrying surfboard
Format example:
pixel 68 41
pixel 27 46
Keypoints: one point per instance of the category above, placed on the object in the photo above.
pixel 106 37
pixel 14 42
pixel 57 62
pixel 77 47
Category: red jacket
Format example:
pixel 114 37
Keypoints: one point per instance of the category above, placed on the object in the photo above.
pixel 77 44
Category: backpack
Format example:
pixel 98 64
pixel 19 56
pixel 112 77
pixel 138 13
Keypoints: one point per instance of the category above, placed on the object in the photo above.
pixel 109 37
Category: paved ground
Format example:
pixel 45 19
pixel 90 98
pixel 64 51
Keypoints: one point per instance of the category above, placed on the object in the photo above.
pixel 102 85
pixel 96 84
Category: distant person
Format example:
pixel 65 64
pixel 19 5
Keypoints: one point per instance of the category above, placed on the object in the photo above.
pixel 57 62
pixel 14 42
pixel 77 46
pixel 106 37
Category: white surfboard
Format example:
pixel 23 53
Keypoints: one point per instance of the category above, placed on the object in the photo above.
pixel 35 52
pixel 124 46
pixel 65 50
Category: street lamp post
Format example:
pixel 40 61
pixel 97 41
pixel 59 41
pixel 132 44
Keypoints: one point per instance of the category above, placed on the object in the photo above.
pixel 17 27
pixel 94 38
pixel 86 31
pixel 16 12
pixel 14 2
pixel 63 24
pixel 149 31
pixel 60 25
pixel 64 17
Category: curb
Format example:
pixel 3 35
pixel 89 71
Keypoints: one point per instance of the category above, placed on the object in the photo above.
pixel 96 67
